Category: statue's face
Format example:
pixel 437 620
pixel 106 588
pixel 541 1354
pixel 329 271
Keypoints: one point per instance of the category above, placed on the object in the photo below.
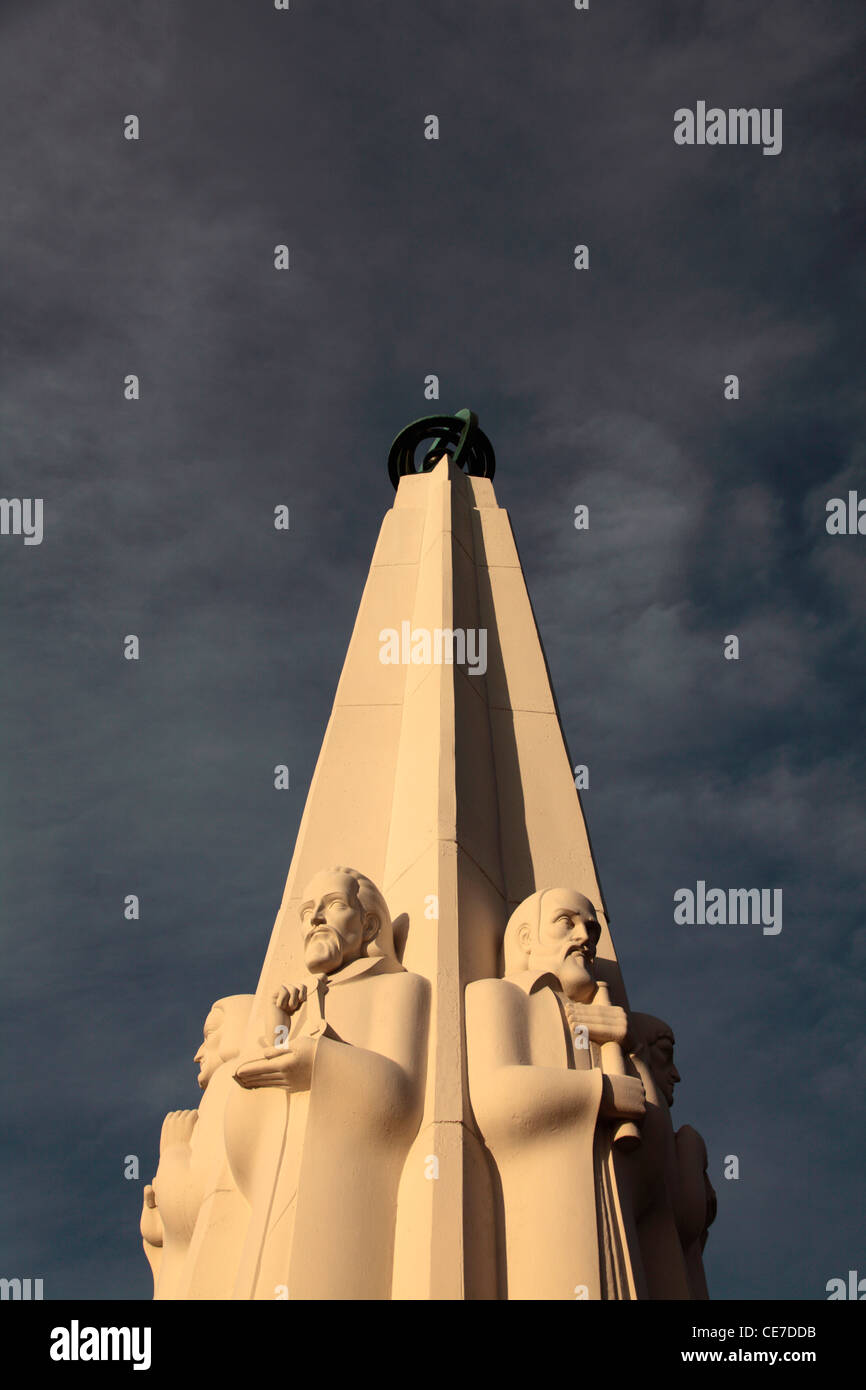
pixel 208 1055
pixel 568 934
pixel 661 1060
pixel 336 929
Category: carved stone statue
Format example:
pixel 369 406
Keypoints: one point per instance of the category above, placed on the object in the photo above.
pixel 695 1205
pixel 350 1060
pixel 190 1145
pixel 550 1091
pixel 671 1195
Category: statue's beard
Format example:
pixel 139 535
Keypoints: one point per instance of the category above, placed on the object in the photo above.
pixel 577 976
pixel 205 1074
pixel 323 951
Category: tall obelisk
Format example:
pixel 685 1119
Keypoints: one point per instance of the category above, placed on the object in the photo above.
pixel 446 782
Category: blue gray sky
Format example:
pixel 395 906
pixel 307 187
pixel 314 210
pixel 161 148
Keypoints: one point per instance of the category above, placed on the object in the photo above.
pixel 602 387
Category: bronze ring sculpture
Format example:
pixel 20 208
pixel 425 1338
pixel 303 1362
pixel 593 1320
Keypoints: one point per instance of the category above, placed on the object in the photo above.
pixel 457 435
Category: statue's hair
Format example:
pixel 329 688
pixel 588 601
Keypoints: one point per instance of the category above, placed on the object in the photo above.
pixel 649 1028
pixel 528 914
pixel 371 900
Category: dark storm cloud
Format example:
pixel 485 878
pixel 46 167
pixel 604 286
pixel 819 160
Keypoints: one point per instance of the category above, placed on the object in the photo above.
pixel 410 257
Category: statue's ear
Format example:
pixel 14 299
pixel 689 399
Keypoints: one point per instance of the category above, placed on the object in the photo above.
pixel 371 926
pixel 524 938
pixel 400 928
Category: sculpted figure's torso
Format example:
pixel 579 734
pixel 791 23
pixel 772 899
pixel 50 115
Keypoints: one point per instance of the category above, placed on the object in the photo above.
pixel 349 1070
pixel 539 1099
pixel 191 1151
pixel 670 1193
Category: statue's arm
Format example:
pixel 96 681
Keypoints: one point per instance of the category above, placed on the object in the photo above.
pixel 696 1196
pixel 177 1183
pixel 392 1067
pixel 151 1232
pixel 508 1092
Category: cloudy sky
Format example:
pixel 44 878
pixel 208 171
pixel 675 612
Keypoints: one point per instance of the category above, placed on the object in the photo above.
pixel 602 387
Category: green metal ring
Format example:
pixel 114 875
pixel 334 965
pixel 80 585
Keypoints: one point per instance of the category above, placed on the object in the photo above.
pixel 457 435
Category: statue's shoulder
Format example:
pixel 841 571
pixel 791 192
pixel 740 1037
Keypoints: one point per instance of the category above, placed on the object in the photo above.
pixel 401 993
pixel 409 980
pixel 523 983
pixel 397 978
pixel 491 985
pixel 495 992
pixel 690 1142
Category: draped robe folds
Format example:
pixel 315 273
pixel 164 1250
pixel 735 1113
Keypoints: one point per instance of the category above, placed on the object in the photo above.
pixel 322 1220
pixel 651 1180
pixel 536 1099
pixel 179 1190
pixel 186 1178
pixel 695 1205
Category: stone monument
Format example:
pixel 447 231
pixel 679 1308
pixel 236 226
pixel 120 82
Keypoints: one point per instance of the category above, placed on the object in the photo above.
pixel 439 1090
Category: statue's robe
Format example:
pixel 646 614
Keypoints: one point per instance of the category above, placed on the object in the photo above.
pixel 695 1205
pixel 178 1188
pixel 323 1225
pixel 187 1176
pixel 651 1179
pixel 536 1098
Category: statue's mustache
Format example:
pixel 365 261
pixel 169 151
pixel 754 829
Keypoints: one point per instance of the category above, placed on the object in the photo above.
pixel 322 930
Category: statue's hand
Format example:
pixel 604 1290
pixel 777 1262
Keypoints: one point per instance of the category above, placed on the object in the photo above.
pixel 151 1221
pixel 177 1128
pixel 289 998
pixel 286 1002
pixel 605 1022
pixel 623 1097
pixel 289 1068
